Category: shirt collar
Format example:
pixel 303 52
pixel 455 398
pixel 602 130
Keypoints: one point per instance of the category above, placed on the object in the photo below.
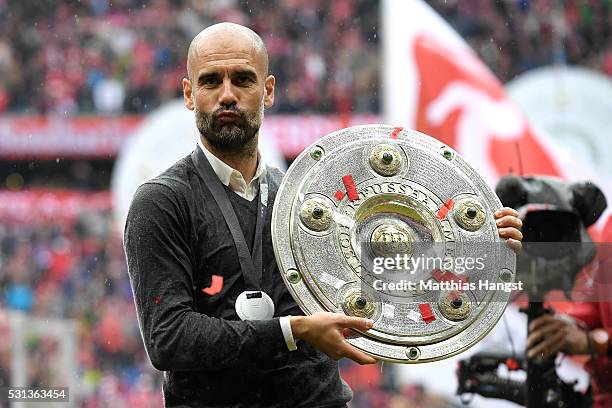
pixel 226 173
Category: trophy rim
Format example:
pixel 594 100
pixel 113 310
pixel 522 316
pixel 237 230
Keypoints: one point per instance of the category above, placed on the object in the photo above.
pixel 480 326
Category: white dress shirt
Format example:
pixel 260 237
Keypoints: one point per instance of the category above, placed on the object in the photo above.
pixel 233 179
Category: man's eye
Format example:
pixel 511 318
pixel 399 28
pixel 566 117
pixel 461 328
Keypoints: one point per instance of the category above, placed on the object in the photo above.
pixel 243 80
pixel 209 82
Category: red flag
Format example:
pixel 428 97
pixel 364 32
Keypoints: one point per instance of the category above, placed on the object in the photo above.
pixel 436 84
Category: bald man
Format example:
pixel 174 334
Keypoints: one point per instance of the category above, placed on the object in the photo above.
pixel 217 323
pixel 212 308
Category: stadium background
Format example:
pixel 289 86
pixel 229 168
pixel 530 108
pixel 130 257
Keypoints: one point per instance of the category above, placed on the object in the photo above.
pixel 78 77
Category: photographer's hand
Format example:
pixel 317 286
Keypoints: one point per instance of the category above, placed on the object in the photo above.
pixel 509 227
pixel 550 334
pixel 324 331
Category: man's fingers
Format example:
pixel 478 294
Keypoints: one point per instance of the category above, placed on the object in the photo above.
pixel 541 321
pixel 515 245
pixel 542 332
pixel 548 347
pixel 356 323
pixel 349 333
pixel 506 211
pixel 358 356
pixel 509 221
pixel 509 225
pixel 510 232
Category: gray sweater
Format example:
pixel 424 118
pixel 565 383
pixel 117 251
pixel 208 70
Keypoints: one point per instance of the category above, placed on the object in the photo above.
pixel 175 241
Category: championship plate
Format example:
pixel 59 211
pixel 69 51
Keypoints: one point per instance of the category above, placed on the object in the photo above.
pixel 379 222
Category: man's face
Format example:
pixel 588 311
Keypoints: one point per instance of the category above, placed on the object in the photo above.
pixel 228 91
pixel 229 128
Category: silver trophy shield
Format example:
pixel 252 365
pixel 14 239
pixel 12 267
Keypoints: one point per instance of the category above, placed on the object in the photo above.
pixel 379 222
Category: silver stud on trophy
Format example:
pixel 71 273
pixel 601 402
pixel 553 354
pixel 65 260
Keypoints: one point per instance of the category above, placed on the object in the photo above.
pixel 469 214
pixel 385 160
pixel 316 214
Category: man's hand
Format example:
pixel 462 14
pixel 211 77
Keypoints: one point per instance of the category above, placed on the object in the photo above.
pixel 509 227
pixel 550 334
pixel 325 330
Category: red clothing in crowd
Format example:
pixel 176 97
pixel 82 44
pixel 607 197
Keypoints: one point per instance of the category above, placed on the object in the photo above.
pixel 596 312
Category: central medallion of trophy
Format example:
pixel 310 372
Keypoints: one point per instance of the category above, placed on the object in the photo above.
pixel 391 239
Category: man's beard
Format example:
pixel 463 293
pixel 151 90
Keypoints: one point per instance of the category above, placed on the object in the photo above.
pixel 237 137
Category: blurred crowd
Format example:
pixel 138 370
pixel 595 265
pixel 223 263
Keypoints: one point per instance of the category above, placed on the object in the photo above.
pixel 513 36
pixel 94 56
pixel 76 270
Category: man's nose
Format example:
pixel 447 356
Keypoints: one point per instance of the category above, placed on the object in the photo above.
pixel 228 96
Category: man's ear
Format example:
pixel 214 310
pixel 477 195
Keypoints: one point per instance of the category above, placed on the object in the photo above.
pixel 269 87
pixel 188 94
